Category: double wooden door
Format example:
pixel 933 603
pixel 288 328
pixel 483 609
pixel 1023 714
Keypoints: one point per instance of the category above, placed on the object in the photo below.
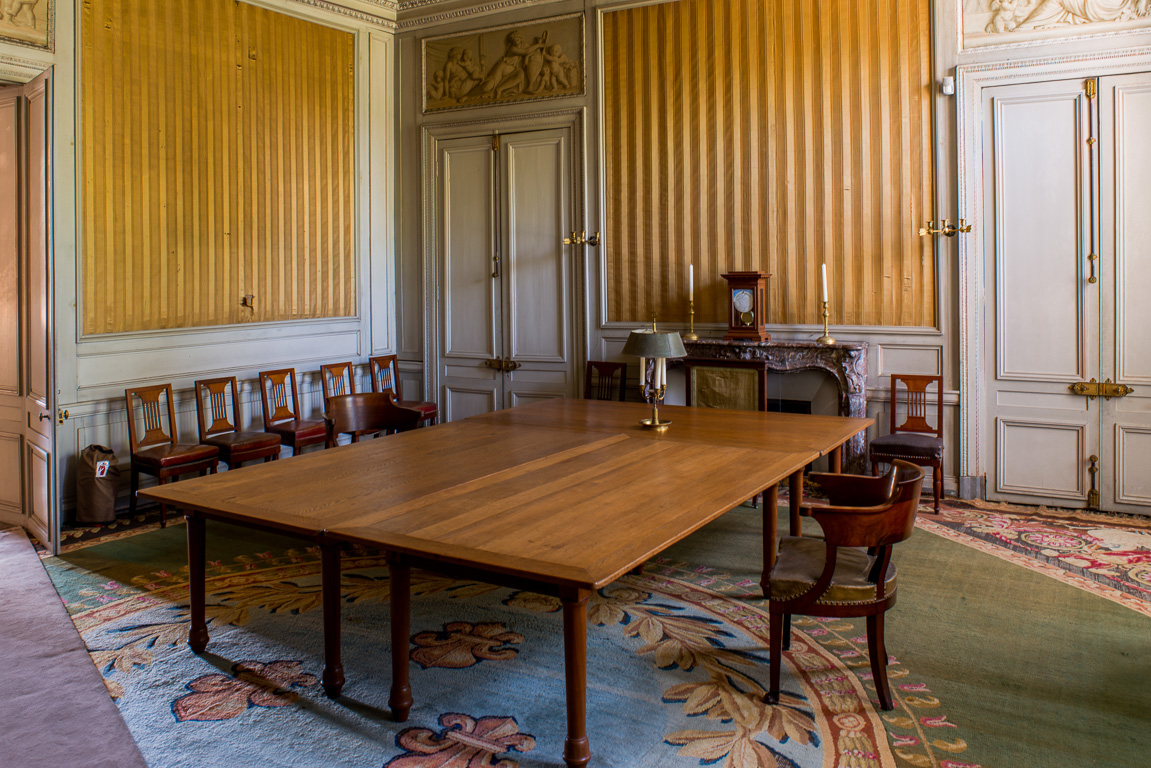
pixel 27 389
pixel 1068 242
pixel 507 283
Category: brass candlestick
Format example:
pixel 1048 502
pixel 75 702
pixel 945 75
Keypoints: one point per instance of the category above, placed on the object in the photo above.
pixel 825 339
pixel 691 335
pixel 655 422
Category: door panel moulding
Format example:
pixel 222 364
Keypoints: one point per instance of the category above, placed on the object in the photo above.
pixel 970 82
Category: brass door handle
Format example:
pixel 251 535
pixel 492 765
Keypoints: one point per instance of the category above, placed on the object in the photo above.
pixel 45 416
pixel 506 365
pixel 946 228
pixel 62 416
pixel 1106 389
pixel 582 238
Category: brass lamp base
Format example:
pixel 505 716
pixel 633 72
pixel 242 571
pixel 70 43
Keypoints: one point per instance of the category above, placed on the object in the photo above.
pixel 690 336
pixel 655 424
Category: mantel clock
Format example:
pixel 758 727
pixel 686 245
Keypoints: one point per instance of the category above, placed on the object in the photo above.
pixel 747 306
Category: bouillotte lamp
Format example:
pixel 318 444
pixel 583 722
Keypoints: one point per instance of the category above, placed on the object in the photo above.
pixel 644 343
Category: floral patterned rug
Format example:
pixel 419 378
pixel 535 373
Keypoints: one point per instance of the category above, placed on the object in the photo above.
pixel 1108 555
pixel 677 669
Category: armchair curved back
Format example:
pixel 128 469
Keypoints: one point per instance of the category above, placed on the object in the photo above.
pixel 877 525
pixel 366 412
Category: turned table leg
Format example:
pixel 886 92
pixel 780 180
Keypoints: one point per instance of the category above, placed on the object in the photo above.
pixel 795 501
pixel 576 749
pixel 400 698
pixel 770 533
pixel 197 575
pixel 333 676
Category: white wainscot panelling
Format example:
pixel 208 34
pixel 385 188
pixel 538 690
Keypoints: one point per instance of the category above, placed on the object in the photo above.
pixel 1041 459
pixel 908 358
pixel 104 366
pixel 462 402
pixel 10 472
pixel 523 398
pixel 1133 465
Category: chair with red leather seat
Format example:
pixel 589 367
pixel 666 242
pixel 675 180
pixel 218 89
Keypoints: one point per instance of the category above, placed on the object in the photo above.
pixel 158 452
pixel 281 401
pixel 220 428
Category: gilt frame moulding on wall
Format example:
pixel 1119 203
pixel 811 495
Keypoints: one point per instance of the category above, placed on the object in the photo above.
pixel 513 63
pixel 29 22
pixel 1023 23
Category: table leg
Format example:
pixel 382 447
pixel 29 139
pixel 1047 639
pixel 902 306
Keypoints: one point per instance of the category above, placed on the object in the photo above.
pixel 770 533
pixel 197 575
pixel 795 501
pixel 333 675
pixel 400 698
pixel 835 459
pixel 576 750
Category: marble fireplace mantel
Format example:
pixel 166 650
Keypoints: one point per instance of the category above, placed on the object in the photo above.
pixel 845 362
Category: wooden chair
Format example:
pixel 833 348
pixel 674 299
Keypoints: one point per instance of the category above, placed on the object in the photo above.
pixel 221 429
pixel 385 378
pixel 367 412
pixel 914 440
pixel 834 576
pixel 281 401
pixel 600 383
pixel 158 452
pixel 337 379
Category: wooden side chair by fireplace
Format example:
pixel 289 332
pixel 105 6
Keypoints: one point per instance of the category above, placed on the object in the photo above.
pixel 158 451
pixel 218 416
pixel 601 383
pixel 849 572
pixel 385 378
pixel 914 439
pixel 367 412
pixel 281 402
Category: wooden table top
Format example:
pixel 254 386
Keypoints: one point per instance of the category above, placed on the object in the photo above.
pixel 574 502
pixel 714 426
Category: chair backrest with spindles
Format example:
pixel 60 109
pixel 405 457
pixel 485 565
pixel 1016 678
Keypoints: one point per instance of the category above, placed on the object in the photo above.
pixel 159 414
pixel 384 374
pixel 212 396
pixel 280 398
pixel 337 379
pixel 600 382
pixel 915 400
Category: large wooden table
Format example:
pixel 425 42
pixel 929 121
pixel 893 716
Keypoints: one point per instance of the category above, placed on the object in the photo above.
pixel 560 497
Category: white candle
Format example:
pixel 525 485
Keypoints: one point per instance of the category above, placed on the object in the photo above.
pixel 643 369
pixel 658 372
pixel 690 280
pixel 823 267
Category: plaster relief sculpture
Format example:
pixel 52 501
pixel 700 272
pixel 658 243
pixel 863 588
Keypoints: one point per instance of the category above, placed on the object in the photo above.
pixel 996 22
pixel 505 64
pixel 27 22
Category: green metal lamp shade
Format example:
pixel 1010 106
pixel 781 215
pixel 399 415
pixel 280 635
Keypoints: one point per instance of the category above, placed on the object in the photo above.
pixel 645 343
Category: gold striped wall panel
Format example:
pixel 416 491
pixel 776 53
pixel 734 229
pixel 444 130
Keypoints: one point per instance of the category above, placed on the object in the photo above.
pixel 744 135
pixel 218 161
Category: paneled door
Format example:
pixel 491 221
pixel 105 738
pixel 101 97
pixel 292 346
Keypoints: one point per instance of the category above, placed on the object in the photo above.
pixel 507 282
pixel 27 389
pixel 1069 255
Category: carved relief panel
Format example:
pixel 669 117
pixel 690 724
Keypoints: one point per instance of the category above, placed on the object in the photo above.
pixel 1006 22
pixel 28 22
pixel 524 62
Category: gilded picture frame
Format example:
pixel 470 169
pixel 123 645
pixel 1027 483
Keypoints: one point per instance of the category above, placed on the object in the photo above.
pixel 29 23
pixel 533 61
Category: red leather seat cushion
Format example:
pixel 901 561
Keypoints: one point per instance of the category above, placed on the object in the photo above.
pixel 244 441
pixel 300 428
pixel 168 455
pixel 428 410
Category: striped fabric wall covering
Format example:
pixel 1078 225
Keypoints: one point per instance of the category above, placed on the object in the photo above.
pixel 218 160
pixel 744 135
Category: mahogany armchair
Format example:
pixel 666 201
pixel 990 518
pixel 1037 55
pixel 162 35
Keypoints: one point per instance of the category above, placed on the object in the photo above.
pixel 366 412
pixel 281 401
pixel 849 572
pixel 600 381
pixel 157 451
pixel 914 439
pixel 219 426
pixel 385 378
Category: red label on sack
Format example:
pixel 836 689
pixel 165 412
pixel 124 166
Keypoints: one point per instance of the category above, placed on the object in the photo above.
pixel 102 468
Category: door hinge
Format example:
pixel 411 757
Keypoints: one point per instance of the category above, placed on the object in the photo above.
pixel 495 142
pixel 1092 87
pixel 1093 493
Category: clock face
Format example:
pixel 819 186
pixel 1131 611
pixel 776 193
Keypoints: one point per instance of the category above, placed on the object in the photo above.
pixel 742 300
